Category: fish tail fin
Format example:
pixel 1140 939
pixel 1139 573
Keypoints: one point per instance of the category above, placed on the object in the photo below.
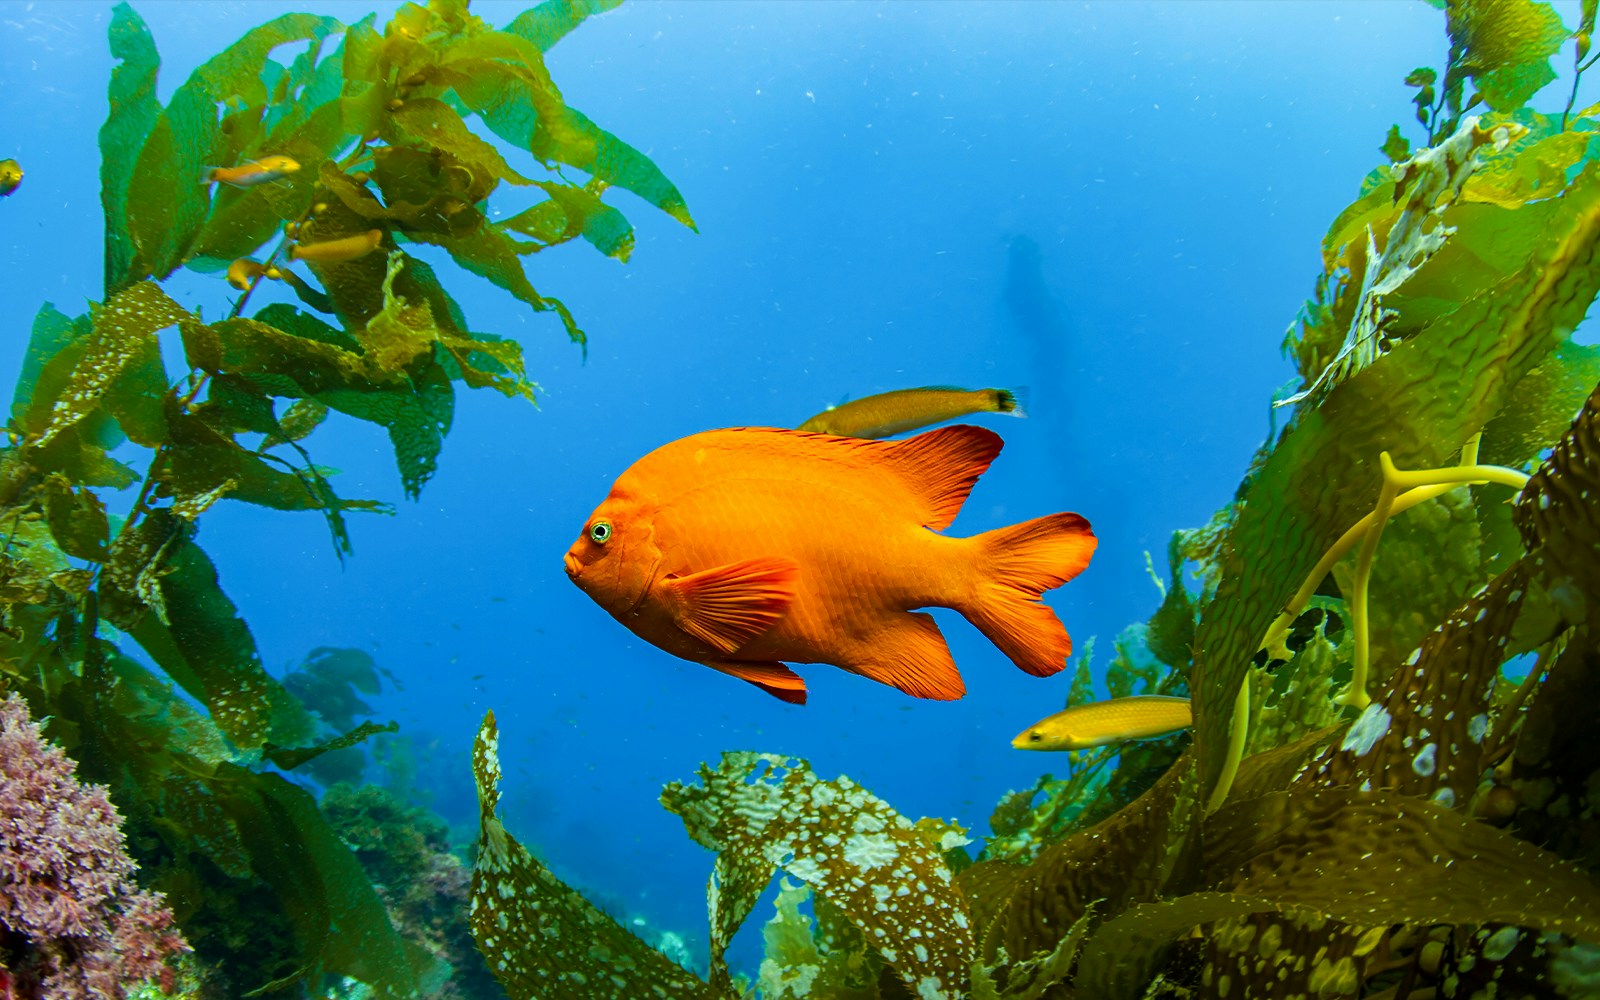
pixel 1017 565
pixel 1012 401
pixel 207 175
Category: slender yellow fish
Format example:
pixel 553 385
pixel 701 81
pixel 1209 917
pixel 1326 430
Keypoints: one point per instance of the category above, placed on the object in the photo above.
pixel 907 409
pixel 333 251
pixel 1138 717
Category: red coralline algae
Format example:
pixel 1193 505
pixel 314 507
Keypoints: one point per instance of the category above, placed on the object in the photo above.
pixel 73 923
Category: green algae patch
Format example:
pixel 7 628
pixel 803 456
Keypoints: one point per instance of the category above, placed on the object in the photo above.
pixel 539 936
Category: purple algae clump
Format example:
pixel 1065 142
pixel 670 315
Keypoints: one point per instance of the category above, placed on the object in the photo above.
pixel 73 923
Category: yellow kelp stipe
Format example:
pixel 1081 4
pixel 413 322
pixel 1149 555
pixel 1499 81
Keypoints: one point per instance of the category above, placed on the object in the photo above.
pixel 1418 485
pixel 1099 723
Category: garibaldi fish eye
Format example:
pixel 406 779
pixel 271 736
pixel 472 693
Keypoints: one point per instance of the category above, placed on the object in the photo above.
pixel 749 548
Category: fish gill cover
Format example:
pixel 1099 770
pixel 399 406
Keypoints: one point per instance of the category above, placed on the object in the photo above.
pixel 371 131
pixel 1373 803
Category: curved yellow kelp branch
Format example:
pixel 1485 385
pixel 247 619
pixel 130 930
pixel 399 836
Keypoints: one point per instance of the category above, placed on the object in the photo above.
pixel 1419 486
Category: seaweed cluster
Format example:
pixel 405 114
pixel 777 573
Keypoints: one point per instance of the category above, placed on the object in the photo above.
pixel 1393 657
pixel 114 625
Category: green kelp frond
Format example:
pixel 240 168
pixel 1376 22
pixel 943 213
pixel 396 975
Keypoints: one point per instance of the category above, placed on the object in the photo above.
pixel 539 936
pixel 1504 47
pixel 887 875
pixel 1429 183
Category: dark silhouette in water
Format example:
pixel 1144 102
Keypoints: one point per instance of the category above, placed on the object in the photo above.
pixel 1041 321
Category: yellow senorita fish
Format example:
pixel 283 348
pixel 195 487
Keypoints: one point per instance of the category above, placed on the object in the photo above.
pixel 1138 717
pixel 251 172
pixel 10 176
pixel 244 271
pixel 333 251
pixel 908 409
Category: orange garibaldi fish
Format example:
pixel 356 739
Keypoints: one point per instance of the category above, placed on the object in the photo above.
pixel 744 548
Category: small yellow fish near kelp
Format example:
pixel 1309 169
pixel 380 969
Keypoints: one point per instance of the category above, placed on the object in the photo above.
pixel 251 172
pixel 10 176
pixel 244 271
pixel 908 409
pixel 1138 717
pixel 334 251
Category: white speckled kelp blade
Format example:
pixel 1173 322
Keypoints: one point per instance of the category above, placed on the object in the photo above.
pixel 540 937
pixel 853 849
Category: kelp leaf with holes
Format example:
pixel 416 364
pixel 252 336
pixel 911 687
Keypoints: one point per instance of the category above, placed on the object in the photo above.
pixel 166 218
pixel 1371 858
pixel 550 22
pixel 1404 741
pixel 540 937
pixel 134 110
pixel 851 847
pixel 1322 476
pixel 122 339
pixel 1505 47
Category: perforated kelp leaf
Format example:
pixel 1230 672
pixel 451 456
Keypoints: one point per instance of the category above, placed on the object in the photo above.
pixel 1424 732
pixel 1378 857
pixel 1323 475
pixel 1505 47
pixel 550 21
pixel 540 937
pixel 165 219
pixel 134 109
pixel 888 876
pixel 120 346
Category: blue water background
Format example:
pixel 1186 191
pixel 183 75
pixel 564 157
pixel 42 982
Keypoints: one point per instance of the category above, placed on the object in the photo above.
pixel 863 176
